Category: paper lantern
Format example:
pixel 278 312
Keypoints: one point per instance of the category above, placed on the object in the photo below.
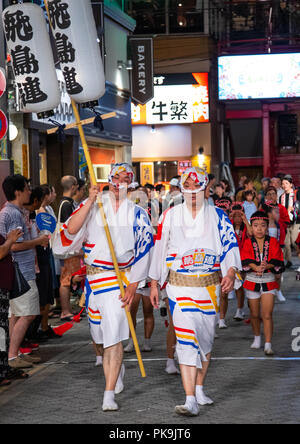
pixel 2 82
pixel 75 34
pixel 28 44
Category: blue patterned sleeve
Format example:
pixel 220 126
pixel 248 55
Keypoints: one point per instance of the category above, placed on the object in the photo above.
pixel 143 236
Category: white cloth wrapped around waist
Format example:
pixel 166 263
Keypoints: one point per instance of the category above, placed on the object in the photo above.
pixel 264 279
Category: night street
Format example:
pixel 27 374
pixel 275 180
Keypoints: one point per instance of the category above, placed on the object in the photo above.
pixel 247 386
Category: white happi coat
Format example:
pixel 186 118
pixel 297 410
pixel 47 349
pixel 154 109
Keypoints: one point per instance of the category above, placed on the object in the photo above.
pixel 132 238
pixel 194 247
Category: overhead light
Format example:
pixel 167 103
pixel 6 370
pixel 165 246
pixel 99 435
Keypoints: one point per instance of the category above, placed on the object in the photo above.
pixel 125 65
pixel 153 129
pixel 129 66
pixel 201 157
pixel 181 21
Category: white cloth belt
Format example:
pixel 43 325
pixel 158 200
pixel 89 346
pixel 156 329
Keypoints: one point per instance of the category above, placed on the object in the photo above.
pixel 252 277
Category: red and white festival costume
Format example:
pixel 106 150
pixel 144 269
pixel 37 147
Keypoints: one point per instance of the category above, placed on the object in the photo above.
pixel 192 249
pixel 256 285
pixel 132 237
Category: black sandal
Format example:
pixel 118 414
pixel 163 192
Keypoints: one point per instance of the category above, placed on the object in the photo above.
pixel 67 319
pixel 15 374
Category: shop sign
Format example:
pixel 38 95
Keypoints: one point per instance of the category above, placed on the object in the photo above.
pixel 183 165
pixel 142 73
pixel 147 172
pixel 174 102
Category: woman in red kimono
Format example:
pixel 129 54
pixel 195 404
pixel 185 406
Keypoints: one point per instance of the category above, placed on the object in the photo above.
pixel 242 230
pixel 276 229
pixel 262 259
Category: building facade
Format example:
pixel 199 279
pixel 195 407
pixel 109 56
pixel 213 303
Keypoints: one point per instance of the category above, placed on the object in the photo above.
pixel 45 158
pixel 179 126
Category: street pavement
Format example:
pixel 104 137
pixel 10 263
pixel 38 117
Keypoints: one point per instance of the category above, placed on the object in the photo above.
pixel 247 387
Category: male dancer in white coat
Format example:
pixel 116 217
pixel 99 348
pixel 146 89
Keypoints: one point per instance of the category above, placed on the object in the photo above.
pixel 195 245
pixel 132 237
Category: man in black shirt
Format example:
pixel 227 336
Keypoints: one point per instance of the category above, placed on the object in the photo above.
pixel 72 264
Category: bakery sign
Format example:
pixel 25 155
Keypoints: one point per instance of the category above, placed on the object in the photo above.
pixel 142 69
pixel 178 99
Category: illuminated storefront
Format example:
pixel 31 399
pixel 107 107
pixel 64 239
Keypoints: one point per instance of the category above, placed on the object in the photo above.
pixel 172 130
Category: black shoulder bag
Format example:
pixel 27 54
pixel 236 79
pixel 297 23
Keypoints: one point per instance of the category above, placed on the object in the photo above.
pixel 20 285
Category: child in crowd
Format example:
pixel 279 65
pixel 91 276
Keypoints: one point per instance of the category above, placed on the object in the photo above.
pixel 276 229
pixel 262 259
pixel 224 203
pixel 248 204
pixel 242 230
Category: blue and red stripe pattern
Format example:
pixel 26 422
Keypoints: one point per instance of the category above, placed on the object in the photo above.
pixel 205 307
pixel 104 285
pixel 105 265
pixel 186 337
pixel 94 316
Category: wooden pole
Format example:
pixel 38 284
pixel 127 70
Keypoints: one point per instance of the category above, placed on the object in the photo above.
pixel 108 236
pixel 105 225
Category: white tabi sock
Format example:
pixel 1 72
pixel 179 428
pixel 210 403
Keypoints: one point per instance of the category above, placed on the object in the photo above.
pixel 129 347
pixel 280 296
pixel 191 400
pixel 99 361
pixel 147 345
pixel 190 408
pixel 202 399
pixel 171 368
pixel 120 382
pixel 240 314
pixel 222 324
pixel 268 349
pixel 257 343
pixel 109 403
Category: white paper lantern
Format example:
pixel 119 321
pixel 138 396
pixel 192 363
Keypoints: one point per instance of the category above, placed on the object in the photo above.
pixel 28 44
pixel 74 30
pixel 13 131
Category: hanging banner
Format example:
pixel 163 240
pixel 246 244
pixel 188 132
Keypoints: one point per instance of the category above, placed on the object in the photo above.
pixel 28 44
pixel 142 73
pixel 147 172
pixel 75 34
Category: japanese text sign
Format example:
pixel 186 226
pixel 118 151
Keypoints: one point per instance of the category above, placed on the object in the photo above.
pixel 174 102
pixel 75 34
pixel 28 44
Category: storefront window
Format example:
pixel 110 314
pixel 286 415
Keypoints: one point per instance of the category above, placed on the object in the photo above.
pixel 288 140
pixel 165 171
pixel 164 17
